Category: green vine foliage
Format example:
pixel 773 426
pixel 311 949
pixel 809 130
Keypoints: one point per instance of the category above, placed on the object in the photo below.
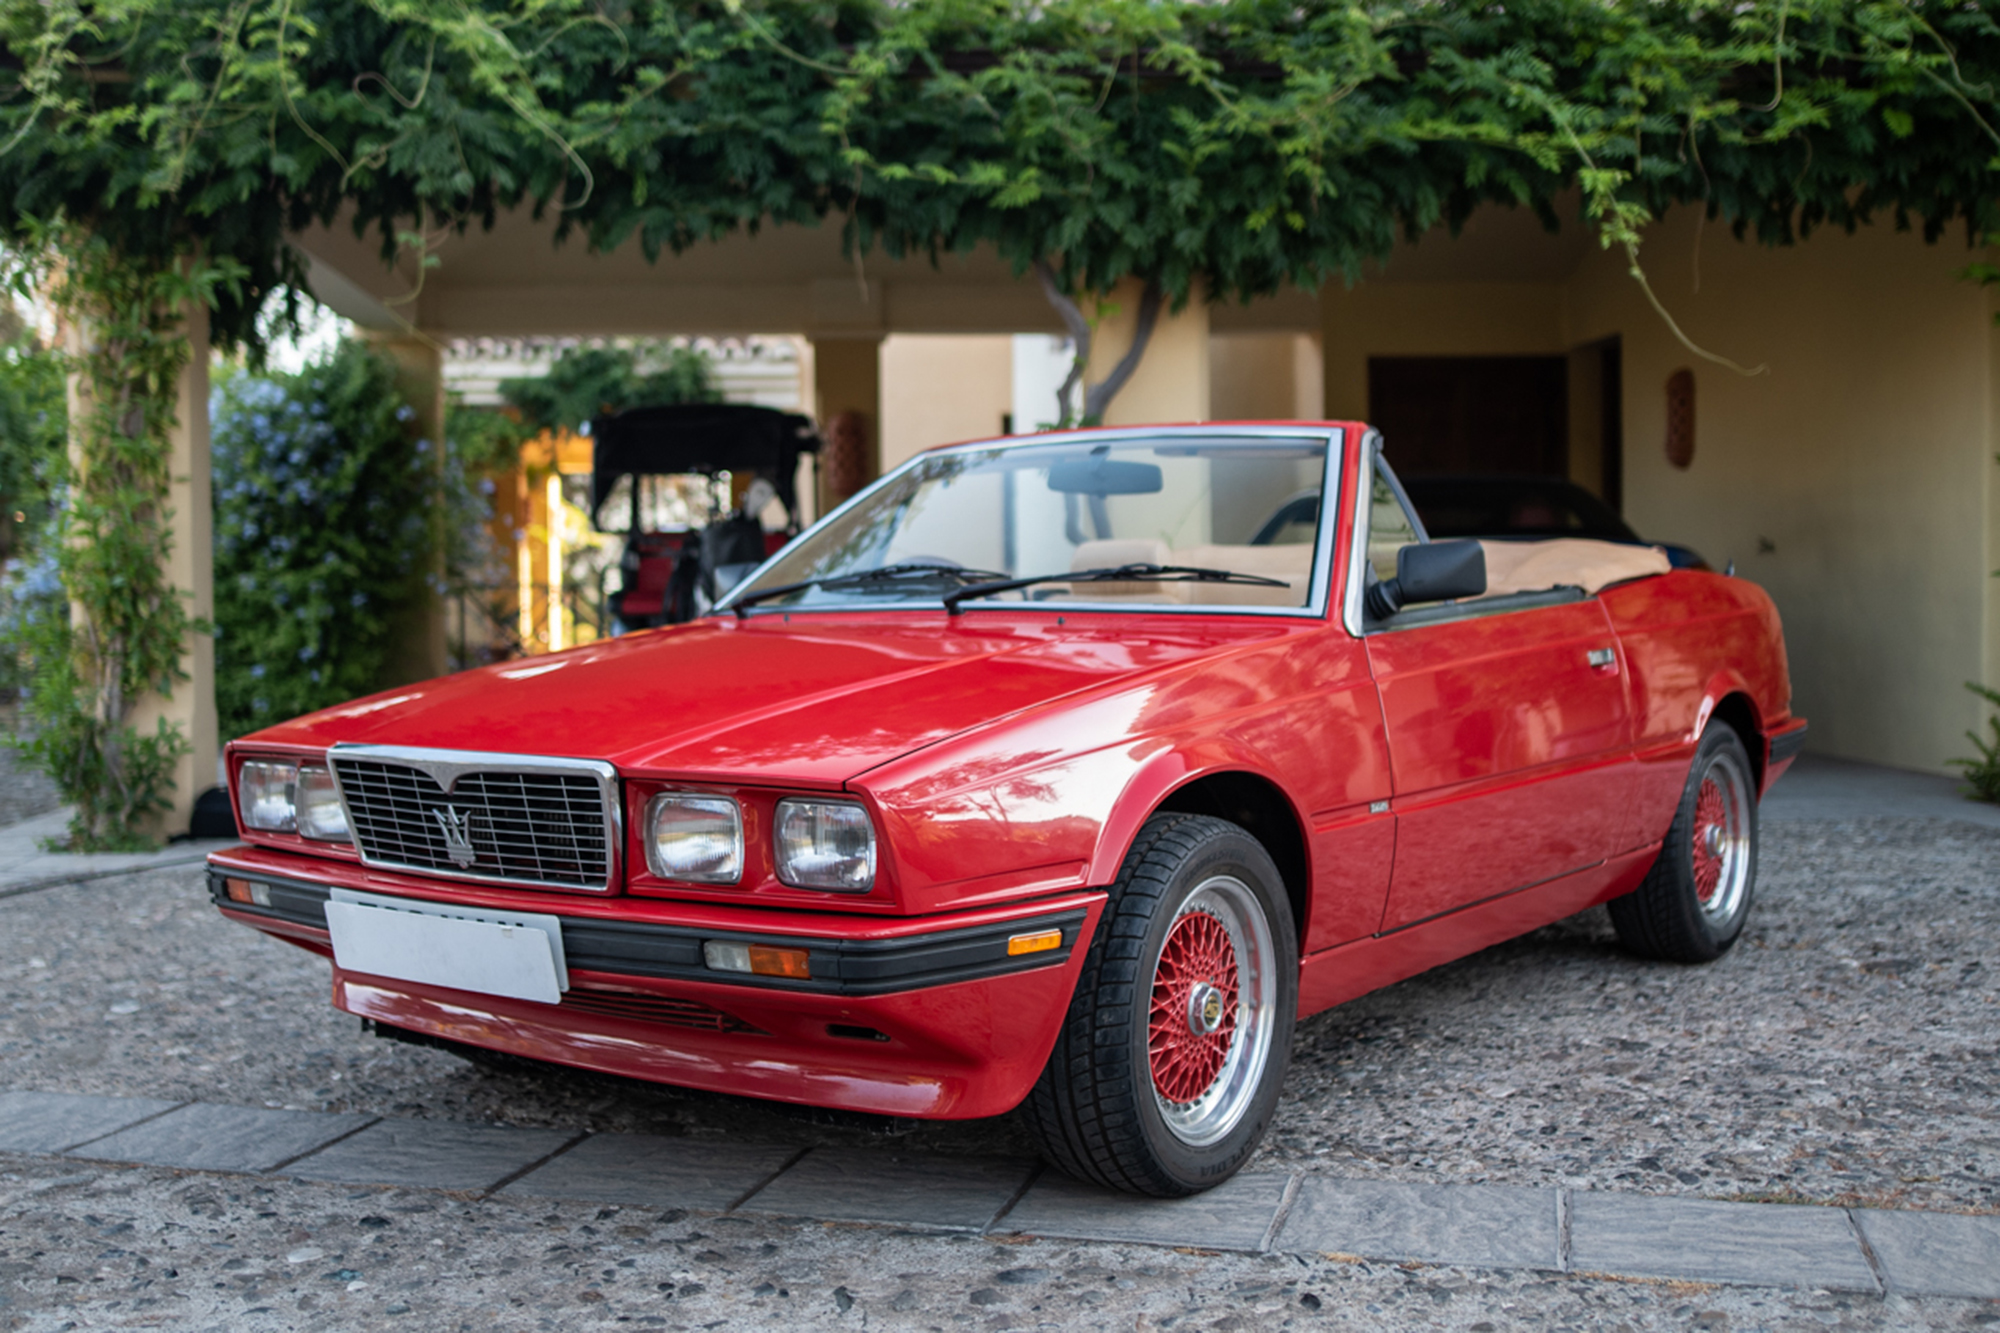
pixel 584 382
pixel 112 538
pixel 1227 149
pixel 1982 774
pixel 318 545
pixel 1220 151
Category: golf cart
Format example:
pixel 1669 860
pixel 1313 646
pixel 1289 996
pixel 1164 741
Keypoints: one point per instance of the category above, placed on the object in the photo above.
pixel 686 541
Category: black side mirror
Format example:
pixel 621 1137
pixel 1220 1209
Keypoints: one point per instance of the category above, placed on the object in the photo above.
pixel 1430 572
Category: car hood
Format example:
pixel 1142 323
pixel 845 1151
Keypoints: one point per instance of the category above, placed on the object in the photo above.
pixel 813 702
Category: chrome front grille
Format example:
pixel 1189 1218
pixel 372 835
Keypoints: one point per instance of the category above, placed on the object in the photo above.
pixel 514 819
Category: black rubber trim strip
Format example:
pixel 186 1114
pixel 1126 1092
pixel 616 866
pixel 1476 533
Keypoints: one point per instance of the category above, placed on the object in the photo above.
pixel 1786 744
pixel 1471 608
pixel 674 953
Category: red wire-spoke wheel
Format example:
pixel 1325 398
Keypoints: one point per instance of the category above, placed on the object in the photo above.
pixel 1193 1016
pixel 1208 1034
pixel 1695 898
pixel 1168 1068
pixel 1720 836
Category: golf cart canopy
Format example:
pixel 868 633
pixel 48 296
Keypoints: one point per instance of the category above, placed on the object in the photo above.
pixel 699 438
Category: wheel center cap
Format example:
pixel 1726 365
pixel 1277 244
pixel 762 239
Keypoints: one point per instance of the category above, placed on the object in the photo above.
pixel 1204 1009
pixel 1711 840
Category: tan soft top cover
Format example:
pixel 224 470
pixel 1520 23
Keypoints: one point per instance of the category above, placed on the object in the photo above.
pixel 1564 562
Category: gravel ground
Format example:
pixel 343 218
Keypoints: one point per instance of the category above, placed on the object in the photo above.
pixel 138 1247
pixel 1846 1052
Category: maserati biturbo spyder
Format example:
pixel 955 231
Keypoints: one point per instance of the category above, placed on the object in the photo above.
pixel 1063 772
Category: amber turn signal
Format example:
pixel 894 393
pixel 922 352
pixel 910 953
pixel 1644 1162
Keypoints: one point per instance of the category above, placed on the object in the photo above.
pixel 1040 941
pixel 247 891
pixel 769 962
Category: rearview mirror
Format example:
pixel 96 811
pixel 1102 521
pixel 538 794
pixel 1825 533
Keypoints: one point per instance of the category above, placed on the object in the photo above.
pixel 1430 572
pixel 1098 475
pixel 1439 571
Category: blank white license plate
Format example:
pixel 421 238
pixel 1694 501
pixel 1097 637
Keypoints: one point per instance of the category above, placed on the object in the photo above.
pixel 516 954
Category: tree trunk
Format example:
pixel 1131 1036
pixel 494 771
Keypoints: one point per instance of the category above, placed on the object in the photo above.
pixel 1096 397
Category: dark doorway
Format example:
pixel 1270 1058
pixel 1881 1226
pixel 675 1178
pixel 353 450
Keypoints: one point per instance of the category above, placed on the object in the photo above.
pixel 1470 414
pixel 1611 425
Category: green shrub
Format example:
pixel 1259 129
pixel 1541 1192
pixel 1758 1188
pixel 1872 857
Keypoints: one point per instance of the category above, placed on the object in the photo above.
pixel 1983 773
pixel 324 501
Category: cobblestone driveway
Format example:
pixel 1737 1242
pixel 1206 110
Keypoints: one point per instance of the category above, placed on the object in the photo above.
pixel 1847 1052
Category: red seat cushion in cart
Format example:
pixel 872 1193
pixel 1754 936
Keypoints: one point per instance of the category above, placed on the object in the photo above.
pixel 646 594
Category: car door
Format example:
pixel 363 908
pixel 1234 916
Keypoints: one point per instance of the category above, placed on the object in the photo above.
pixel 1510 742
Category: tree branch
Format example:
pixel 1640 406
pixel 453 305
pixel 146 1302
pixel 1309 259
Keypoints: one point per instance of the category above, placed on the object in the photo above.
pixel 1079 336
pixel 1097 398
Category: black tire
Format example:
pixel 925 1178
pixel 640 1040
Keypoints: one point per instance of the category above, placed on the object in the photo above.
pixel 1098 1107
pixel 1694 901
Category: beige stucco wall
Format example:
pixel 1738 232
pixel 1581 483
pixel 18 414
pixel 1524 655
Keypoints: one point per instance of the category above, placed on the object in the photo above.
pixel 1436 317
pixel 1265 376
pixel 1171 382
pixel 941 388
pixel 1863 459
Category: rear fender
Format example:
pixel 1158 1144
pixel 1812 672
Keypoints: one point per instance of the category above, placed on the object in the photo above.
pixel 1721 685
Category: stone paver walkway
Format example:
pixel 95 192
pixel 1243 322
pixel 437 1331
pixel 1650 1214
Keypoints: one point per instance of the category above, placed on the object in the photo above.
pixel 1475 1226
pixel 1816 787
pixel 25 866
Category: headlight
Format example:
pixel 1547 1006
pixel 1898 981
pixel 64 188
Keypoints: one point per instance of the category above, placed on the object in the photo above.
pixel 694 838
pixel 265 795
pixel 320 813
pixel 825 845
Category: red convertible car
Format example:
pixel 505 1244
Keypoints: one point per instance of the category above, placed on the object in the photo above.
pixel 1046 773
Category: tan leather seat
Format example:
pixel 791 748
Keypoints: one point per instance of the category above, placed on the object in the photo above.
pixel 1292 563
pixel 1116 551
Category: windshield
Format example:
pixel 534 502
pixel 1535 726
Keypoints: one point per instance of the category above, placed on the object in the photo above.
pixel 956 519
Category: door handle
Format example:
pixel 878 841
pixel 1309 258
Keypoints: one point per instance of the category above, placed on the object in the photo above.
pixel 1599 658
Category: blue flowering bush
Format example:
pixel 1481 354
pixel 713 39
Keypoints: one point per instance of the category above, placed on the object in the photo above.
pixel 34 419
pixel 325 501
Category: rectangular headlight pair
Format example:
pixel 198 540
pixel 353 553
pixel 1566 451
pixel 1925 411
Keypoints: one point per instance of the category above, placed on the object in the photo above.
pixel 274 796
pixel 698 839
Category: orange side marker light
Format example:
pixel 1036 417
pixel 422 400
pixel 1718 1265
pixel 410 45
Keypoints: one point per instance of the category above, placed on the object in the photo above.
pixel 766 961
pixel 247 891
pixel 1040 941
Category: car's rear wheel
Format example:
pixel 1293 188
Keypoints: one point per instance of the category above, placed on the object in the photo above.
pixel 1167 1071
pixel 1694 901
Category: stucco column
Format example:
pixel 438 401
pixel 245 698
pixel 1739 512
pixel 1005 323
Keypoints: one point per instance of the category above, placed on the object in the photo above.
pixel 1172 381
pixel 418 650
pixel 847 400
pixel 190 571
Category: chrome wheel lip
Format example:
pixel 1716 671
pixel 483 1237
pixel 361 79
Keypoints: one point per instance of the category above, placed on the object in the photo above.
pixel 1222 1105
pixel 1729 838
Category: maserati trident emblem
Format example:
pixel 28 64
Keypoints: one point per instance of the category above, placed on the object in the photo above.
pixel 456 826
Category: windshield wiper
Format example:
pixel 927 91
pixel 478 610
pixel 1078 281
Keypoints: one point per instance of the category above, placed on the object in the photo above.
pixel 912 569
pixel 1139 573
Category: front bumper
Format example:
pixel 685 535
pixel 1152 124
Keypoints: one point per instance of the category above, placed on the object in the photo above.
pixel 924 1017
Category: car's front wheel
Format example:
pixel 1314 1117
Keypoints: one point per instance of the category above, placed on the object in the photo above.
pixel 1167 1071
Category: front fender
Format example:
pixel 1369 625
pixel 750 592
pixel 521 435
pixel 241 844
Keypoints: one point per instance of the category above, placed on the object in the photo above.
pixel 1159 777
